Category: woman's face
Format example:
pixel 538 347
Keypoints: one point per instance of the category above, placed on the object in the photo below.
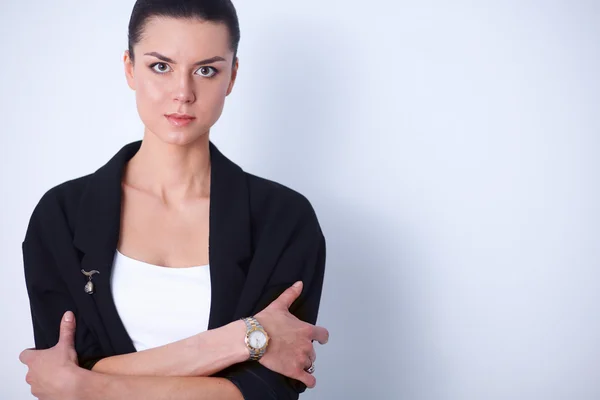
pixel 182 66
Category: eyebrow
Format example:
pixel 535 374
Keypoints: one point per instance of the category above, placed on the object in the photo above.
pixel 167 59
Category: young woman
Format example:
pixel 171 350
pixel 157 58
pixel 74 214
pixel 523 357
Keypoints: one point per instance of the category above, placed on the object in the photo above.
pixel 168 272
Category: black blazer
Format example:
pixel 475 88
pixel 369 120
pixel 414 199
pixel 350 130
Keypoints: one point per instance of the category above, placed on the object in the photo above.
pixel 263 237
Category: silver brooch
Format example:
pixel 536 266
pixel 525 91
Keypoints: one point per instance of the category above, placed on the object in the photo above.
pixel 89 287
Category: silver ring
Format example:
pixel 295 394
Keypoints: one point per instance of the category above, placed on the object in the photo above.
pixel 311 369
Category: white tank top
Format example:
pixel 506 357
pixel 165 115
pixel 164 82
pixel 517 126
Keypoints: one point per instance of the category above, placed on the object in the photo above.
pixel 160 305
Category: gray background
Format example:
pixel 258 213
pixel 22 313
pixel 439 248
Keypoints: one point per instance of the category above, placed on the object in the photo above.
pixel 450 150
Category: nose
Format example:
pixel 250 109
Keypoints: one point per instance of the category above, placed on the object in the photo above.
pixel 184 90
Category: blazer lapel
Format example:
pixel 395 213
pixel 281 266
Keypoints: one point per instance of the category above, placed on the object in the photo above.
pixel 97 235
pixel 230 242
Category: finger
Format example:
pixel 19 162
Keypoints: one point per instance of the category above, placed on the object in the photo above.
pixel 310 360
pixel 312 357
pixel 25 356
pixel 290 294
pixel 309 380
pixel 67 329
pixel 320 334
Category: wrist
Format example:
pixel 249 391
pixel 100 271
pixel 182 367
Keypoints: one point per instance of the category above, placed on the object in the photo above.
pixel 224 346
pixel 257 338
pixel 237 331
pixel 82 381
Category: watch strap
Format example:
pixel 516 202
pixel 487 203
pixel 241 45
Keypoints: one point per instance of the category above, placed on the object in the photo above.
pixel 251 325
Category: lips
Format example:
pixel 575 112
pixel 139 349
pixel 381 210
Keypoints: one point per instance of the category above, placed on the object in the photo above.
pixel 181 116
pixel 179 119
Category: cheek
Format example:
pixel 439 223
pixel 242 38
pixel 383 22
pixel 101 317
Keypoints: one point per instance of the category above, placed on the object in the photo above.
pixel 150 99
pixel 214 98
pixel 210 99
pixel 213 106
pixel 149 92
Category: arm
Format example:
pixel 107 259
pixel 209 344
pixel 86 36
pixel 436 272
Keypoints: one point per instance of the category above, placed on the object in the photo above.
pixel 221 348
pixel 303 259
pixel 96 386
pixel 49 299
pixel 200 355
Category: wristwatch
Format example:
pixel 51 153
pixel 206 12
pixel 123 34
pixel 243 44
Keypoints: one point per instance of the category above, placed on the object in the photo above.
pixel 256 338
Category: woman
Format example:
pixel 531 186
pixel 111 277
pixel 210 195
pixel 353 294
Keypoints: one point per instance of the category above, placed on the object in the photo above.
pixel 130 295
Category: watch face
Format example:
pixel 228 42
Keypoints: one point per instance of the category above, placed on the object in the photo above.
pixel 257 339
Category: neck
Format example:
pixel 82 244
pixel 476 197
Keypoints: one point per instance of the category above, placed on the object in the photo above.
pixel 172 172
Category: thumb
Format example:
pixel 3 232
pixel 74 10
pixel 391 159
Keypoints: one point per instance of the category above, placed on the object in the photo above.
pixel 290 294
pixel 67 330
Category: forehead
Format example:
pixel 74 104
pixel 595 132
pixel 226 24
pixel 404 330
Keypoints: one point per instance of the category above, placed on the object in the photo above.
pixel 185 38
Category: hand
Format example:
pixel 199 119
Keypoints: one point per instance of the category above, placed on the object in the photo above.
pixel 290 349
pixel 52 372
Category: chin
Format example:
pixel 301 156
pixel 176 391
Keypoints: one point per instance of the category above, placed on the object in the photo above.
pixel 181 137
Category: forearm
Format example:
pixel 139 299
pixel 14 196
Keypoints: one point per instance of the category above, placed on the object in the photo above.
pixel 200 355
pixel 97 386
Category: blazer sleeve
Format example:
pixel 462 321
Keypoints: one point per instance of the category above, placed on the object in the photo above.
pixel 303 259
pixel 49 298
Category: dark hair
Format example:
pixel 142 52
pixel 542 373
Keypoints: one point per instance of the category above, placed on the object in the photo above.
pixel 207 10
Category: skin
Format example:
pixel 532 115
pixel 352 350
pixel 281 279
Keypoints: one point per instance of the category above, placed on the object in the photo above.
pixel 169 179
pixel 53 374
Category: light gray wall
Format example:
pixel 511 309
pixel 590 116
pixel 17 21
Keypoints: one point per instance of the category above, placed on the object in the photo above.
pixel 449 148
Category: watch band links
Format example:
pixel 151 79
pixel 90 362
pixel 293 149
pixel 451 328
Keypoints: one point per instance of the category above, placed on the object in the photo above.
pixel 251 324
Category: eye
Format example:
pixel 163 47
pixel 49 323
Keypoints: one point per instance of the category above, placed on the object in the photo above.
pixel 207 72
pixel 162 67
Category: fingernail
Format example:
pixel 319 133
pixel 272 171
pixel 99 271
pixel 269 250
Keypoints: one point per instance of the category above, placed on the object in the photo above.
pixel 297 284
pixel 68 316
